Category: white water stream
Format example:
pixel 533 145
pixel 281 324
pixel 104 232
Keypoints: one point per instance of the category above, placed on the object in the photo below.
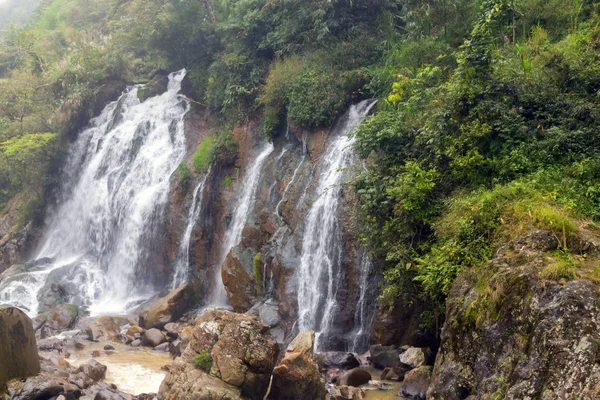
pixel 116 184
pixel 182 267
pixel 233 236
pixel 322 247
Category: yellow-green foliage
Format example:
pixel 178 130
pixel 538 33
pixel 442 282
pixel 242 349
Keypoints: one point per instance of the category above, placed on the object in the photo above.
pixel 563 266
pixel 257 270
pixel 226 181
pixel 203 361
pixel 205 153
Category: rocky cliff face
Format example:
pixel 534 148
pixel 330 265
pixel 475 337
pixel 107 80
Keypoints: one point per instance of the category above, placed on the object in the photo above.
pixel 263 265
pixel 517 333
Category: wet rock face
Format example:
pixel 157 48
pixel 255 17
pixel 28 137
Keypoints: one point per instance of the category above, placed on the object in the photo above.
pixel 18 349
pixel 238 281
pixel 168 309
pixel 62 317
pixel 297 376
pixel 540 340
pixel 157 86
pixel 229 355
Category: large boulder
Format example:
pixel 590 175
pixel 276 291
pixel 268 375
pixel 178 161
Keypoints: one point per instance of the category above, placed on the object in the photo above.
pixel 338 360
pixel 103 329
pixel 297 376
pixel 62 317
pixel 18 350
pixel 238 279
pixel 415 384
pixel 384 356
pixel 521 335
pixel 168 309
pixel 355 377
pixel 229 355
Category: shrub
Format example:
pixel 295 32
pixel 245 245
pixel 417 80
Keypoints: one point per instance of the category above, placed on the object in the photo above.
pixel 203 361
pixel 205 153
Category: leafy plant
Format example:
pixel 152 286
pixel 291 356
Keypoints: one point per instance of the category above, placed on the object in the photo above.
pixel 203 361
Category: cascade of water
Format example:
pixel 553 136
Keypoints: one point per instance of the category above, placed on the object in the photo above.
pixel 233 236
pixel 364 315
pixel 116 186
pixel 182 267
pixel 322 245
pixel 287 187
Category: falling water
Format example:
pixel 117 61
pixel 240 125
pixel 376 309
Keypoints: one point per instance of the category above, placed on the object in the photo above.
pixel 182 267
pixel 233 236
pixel 291 182
pixel 116 186
pixel 322 247
pixel 364 314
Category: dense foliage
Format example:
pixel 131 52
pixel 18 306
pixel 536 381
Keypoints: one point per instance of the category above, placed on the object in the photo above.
pixel 474 145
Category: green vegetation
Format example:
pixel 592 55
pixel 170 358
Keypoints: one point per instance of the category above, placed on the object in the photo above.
pixel 226 181
pixel 203 361
pixel 184 175
pixel 478 144
pixel 205 153
pixel 257 271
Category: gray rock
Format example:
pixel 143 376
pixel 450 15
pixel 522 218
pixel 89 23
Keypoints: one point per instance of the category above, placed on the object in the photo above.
pixel 94 370
pixel 153 337
pixel 62 317
pixel 164 347
pixel 338 359
pixel 416 382
pixel 384 356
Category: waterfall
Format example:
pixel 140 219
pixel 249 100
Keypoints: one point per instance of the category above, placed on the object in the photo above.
pixel 233 236
pixel 291 182
pixel 318 274
pixel 364 314
pixel 116 184
pixel 182 267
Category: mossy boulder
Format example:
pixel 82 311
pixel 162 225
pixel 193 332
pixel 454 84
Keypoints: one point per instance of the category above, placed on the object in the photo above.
pixel 157 86
pixel 512 333
pixel 230 356
pixel 18 349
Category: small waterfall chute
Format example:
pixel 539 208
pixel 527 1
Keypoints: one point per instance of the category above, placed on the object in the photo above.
pixel 182 267
pixel 233 235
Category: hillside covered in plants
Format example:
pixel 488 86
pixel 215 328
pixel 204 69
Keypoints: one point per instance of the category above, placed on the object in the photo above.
pixel 382 172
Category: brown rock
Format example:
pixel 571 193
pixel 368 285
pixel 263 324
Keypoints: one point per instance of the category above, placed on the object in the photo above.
pixel 133 329
pixel 355 377
pixel 240 352
pixel 103 329
pixel 94 370
pixel 168 309
pixel 297 376
pixel 416 382
pixel 238 281
pixel 18 350
pixel 62 317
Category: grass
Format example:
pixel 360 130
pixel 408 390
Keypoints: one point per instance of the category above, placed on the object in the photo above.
pixel 226 181
pixel 205 153
pixel 203 361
